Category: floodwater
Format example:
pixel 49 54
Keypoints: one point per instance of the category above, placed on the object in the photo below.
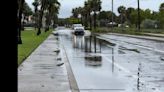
pixel 131 65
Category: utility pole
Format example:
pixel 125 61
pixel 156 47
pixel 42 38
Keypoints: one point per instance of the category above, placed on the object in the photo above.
pixel 138 16
pixel 112 15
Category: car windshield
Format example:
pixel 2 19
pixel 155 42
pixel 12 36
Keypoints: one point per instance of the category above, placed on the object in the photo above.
pixel 77 25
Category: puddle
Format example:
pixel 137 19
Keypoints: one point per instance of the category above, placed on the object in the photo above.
pixel 119 67
pixel 93 63
pixel 121 52
pixel 162 58
pixel 107 42
pixel 93 58
pixel 57 51
pixel 124 48
pixel 60 64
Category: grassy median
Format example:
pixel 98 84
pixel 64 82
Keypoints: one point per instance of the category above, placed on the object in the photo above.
pixel 131 31
pixel 30 42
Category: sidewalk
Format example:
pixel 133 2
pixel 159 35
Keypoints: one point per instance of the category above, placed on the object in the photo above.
pixel 154 38
pixel 40 73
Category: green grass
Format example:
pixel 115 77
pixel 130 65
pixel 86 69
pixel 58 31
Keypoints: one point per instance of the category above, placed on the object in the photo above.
pixel 30 42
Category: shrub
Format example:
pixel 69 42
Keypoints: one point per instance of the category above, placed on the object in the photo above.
pixel 148 23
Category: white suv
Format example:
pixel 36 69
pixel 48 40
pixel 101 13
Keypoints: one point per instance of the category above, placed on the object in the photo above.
pixel 78 29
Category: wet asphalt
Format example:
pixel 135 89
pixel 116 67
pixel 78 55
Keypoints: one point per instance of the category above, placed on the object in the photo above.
pixel 131 65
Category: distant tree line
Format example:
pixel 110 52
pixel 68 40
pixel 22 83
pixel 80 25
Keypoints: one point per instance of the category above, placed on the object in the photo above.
pixel 129 16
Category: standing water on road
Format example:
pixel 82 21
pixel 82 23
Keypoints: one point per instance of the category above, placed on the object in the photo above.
pixel 121 66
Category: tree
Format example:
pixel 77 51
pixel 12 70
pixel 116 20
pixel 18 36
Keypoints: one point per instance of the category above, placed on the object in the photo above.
pixel 154 15
pixel 75 12
pixel 103 15
pixel 122 12
pixel 19 18
pixel 147 14
pixel 134 18
pixel 87 7
pixel 53 10
pixel 47 6
pixel 43 7
pixel 106 15
pixel 161 14
pixel 36 4
pixel 95 7
pixel 128 14
pixel 161 8
pixel 27 11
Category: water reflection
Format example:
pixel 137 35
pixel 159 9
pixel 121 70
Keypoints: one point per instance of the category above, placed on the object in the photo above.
pixel 78 41
pixel 92 63
pixel 93 60
pixel 112 60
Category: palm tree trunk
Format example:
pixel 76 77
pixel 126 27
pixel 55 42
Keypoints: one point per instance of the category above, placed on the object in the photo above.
pixel 90 20
pixel 36 16
pixel 40 21
pixel 22 25
pixel 94 20
pixel 121 22
pixel 48 20
pixel 21 3
pixel 85 20
pixel 81 20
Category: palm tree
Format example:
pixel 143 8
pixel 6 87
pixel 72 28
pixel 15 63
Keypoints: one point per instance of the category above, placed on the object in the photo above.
pixel 53 10
pixel 128 13
pixel 161 8
pixel 48 9
pixel 121 11
pixel 75 12
pixel 41 12
pixel 84 17
pixel 80 11
pixel 27 11
pixel 19 18
pixel 95 6
pixel 87 11
pixel 36 4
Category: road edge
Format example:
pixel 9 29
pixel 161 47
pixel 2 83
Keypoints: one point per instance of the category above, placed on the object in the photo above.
pixel 71 77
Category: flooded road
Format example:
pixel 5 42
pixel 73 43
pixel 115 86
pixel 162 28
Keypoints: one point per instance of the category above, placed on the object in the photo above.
pixel 148 44
pixel 130 65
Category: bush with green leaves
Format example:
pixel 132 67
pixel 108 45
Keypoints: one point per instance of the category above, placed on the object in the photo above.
pixel 148 23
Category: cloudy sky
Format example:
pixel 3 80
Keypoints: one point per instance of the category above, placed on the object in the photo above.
pixel 67 5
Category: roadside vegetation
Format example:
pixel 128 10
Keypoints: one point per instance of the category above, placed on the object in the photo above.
pixel 39 23
pixel 44 15
pixel 30 43
pixel 132 31
pixel 127 21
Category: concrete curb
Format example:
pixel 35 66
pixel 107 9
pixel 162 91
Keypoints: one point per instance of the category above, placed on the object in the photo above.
pixel 72 80
pixel 160 39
